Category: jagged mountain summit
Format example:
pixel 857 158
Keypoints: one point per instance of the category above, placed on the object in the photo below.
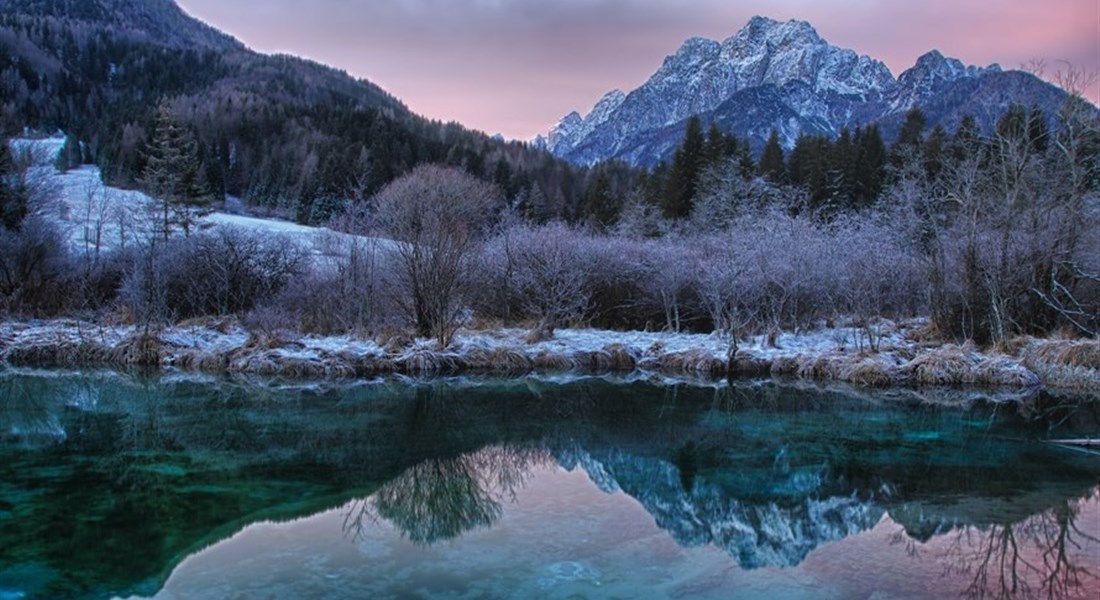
pixel 784 76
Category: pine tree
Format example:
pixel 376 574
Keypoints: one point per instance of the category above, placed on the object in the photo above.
pixel 600 206
pixel 772 163
pixel 686 165
pixel 716 147
pixel 910 139
pixel 935 148
pixel 871 174
pixel 967 142
pixel 173 173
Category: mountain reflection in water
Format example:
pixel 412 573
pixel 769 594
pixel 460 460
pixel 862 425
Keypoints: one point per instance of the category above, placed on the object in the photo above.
pixel 590 487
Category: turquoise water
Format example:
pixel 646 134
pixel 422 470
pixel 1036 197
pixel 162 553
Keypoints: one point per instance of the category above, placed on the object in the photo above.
pixel 116 485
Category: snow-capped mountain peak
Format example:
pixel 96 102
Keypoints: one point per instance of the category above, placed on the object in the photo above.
pixel 779 75
pixel 935 67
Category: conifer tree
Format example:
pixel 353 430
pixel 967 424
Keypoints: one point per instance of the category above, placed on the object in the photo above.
pixel 967 142
pixel 599 204
pixel 686 165
pixel 772 163
pixel 910 139
pixel 935 148
pixel 173 173
pixel 871 175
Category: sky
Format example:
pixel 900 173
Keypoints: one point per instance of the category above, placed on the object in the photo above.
pixel 515 67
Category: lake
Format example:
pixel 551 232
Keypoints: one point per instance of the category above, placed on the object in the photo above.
pixel 186 487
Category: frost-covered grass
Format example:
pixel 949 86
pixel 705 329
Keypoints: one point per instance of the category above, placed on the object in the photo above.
pixel 226 347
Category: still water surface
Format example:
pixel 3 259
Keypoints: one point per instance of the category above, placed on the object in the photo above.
pixel 114 485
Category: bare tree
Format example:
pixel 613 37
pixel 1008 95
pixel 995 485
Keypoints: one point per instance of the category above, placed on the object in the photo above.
pixel 438 216
pixel 550 274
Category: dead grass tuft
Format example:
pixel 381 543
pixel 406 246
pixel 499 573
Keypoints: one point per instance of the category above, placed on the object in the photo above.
pixel 1068 364
pixel 394 341
pixel 622 358
pixel 696 361
pixel 746 365
pixel 871 373
pixel 1066 353
pixel 143 350
pixel 947 365
pixel 1001 370
pixel 786 365
pixel 925 334
pixel 548 361
pixel 61 353
pixel 537 334
pixel 498 360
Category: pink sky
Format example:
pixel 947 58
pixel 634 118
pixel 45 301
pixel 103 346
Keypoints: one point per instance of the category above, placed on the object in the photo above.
pixel 517 66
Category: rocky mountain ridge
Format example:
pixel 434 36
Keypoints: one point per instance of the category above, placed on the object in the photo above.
pixel 785 76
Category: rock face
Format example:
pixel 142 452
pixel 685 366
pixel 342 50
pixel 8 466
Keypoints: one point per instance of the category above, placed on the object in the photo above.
pixel 784 76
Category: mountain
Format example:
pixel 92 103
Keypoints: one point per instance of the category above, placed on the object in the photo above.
pixel 155 21
pixel 784 76
pixel 282 133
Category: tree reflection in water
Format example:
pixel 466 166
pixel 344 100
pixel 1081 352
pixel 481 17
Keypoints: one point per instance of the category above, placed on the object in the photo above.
pixel 1042 556
pixel 442 498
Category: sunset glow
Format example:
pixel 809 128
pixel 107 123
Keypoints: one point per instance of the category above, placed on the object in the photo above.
pixel 517 66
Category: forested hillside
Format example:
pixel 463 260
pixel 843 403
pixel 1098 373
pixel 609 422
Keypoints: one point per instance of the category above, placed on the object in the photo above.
pixel 280 132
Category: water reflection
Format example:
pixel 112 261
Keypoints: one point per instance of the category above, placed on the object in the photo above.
pixel 766 476
pixel 440 499
pixel 1039 557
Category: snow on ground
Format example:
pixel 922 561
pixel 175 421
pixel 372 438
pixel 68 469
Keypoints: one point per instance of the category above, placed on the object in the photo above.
pixel 825 355
pixel 96 217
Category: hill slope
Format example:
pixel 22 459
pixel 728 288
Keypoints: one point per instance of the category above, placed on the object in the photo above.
pixel 279 131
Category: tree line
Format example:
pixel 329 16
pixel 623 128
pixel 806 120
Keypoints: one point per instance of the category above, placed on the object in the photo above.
pixel 992 236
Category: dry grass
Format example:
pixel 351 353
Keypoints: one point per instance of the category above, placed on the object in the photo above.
pixel 61 353
pixel 596 361
pixel 696 361
pixel 498 360
pixel 548 361
pixel 372 366
pixel 656 349
pixel 144 350
pixel 394 342
pixel 947 365
pixel 925 334
pixel 745 364
pixel 785 366
pixel 826 366
pixel 199 360
pixel 871 373
pixel 539 333
pixel 1068 364
pixel 1066 353
pixel 420 363
pixel 1001 370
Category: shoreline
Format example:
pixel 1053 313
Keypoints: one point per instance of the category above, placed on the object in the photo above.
pixel 838 354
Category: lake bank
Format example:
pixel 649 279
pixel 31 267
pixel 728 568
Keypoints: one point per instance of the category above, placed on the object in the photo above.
pixel 886 354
